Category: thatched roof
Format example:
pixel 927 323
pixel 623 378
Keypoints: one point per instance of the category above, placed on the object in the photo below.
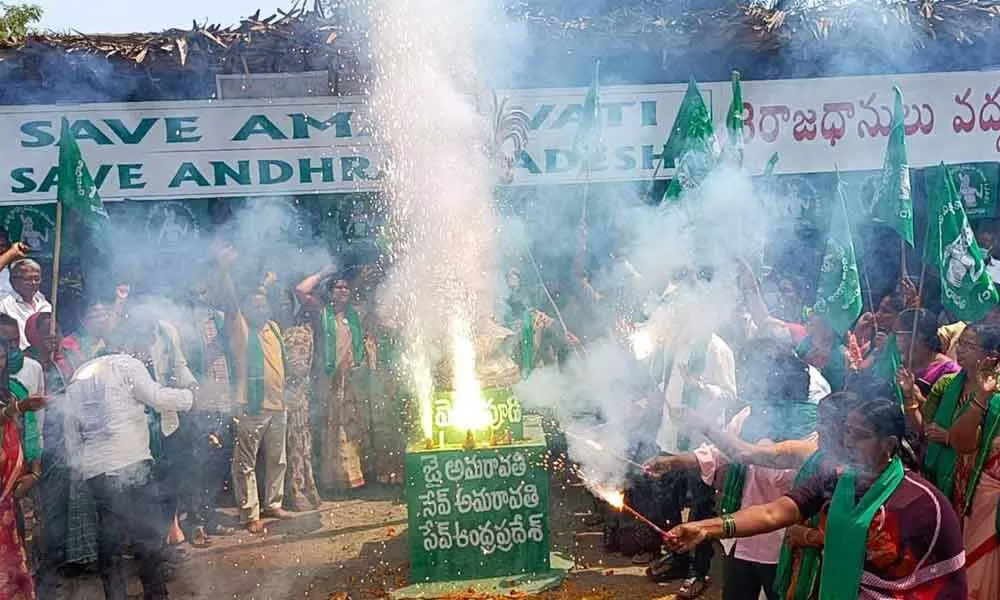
pixel 759 25
pixel 291 40
pixel 640 41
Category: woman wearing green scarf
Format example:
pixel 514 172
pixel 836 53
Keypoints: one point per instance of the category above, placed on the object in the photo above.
pixel 775 382
pixel 894 537
pixel 342 420
pixel 797 577
pixel 963 453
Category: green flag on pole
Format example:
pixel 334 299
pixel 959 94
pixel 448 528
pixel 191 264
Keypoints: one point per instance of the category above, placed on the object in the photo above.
pixel 587 145
pixel 734 123
pixel 76 190
pixel 691 148
pixel 967 291
pixel 894 203
pixel 887 365
pixel 838 295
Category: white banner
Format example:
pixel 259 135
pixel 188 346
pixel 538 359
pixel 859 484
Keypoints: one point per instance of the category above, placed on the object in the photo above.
pixel 320 145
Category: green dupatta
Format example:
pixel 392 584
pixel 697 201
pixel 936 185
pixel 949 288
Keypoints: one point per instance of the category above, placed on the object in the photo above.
pixel 844 551
pixel 941 459
pixel 255 368
pixel 991 428
pixel 527 344
pixel 328 320
pixel 32 439
pixel 809 558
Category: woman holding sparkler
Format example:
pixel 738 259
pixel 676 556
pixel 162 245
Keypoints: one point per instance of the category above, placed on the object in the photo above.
pixel 895 537
pixel 775 382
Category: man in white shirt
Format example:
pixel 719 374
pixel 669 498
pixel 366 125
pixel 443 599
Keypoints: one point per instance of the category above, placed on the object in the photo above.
pixel 27 299
pixel 696 371
pixel 108 439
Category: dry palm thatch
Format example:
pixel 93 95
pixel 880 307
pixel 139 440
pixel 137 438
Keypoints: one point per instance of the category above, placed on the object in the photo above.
pixel 295 40
pixel 681 27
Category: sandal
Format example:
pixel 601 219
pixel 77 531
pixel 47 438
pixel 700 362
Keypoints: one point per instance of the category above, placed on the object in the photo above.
pixel 693 587
pixel 667 569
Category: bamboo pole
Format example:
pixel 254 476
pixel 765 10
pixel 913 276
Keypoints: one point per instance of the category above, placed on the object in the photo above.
pixel 56 257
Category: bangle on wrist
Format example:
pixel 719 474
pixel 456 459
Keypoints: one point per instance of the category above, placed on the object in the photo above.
pixel 728 527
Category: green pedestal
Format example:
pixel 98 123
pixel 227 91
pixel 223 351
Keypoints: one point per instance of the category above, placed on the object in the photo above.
pixel 505 411
pixel 476 514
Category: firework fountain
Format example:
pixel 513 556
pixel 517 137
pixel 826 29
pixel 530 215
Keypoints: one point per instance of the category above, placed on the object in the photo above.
pixel 477 492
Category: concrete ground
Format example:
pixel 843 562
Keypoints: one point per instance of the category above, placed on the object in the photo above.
pixel 355 549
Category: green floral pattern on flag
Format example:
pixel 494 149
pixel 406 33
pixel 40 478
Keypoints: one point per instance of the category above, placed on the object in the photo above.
pixel 967 291
pixel 838 295
pixel 976 184
pixel 894 202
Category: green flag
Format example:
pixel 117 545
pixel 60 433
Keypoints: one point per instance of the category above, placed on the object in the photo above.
pixel 734 123
pixel 887 365
pixel 76 190
pixel 967 291
pixel 691 148
pixel 893 202
pixel 587 145
pixel 838 295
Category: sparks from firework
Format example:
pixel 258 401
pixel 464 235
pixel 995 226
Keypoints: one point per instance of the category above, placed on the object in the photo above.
pixel 596 446
pixel 470 410
pixel 439 190
pixel 642 344
pixel 616 499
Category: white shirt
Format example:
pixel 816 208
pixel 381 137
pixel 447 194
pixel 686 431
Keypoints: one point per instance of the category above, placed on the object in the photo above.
pixel 32 377
pixel 719 376
pixel 5 287
pixel 819 387
pixel 993 268
pixel 15 306
pixel 107 429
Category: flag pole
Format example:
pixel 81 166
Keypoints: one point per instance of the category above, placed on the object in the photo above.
pixel 56 256
pixel 920 296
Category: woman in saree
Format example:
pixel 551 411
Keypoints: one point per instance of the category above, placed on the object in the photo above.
pixel 963 451
pixel 15 481
pixel 297 335
pixel 797 575
pixel 68 512
pixel 341 419
pixel 894 536
pixel 916 332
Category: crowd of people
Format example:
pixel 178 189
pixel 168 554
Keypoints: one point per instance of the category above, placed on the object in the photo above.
pixel 124 438
pixel 839 472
